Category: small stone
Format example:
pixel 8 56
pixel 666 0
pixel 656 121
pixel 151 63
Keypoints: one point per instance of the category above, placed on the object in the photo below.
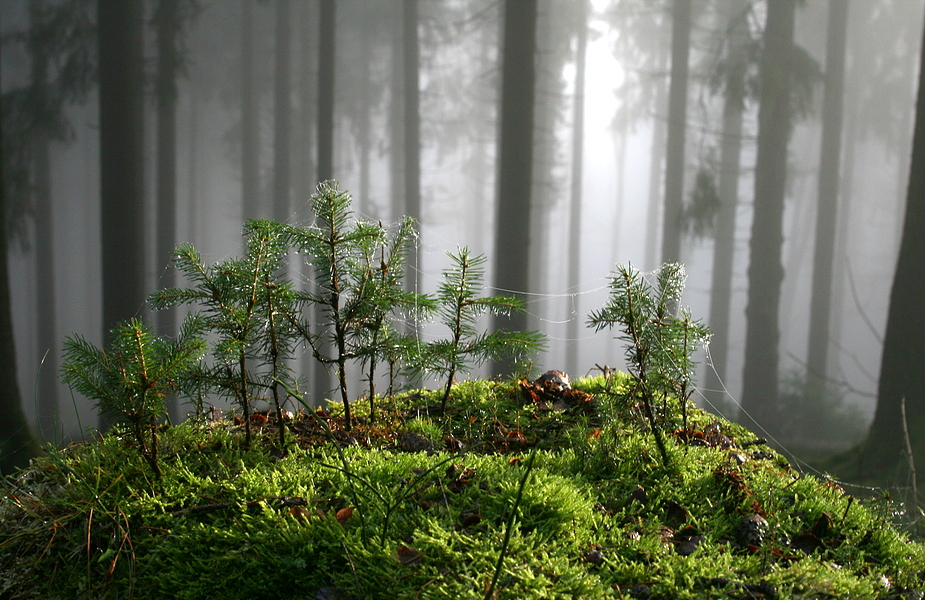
pixel 753 529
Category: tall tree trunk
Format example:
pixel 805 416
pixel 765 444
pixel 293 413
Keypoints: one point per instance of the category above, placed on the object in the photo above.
pixel 902 378
pixel 729 175
pixel 765 271
pixel 121 105
pixel 515 155
pixel 656 169
pixel 47 393
pixel 576 318
pixel 17 443
pixel 325 144
pixel 250 118
pixel 827 212
pixel 167 24
pixel 281 113
pixel 412 126
pixel 677 125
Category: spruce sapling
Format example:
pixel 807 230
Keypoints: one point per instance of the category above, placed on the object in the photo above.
pixel 659 344
pixel 234 295
pixel 131 378
pixel 459 308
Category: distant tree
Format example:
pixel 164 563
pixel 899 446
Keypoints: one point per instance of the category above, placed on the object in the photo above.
pixel 575 212
pixel 765 271
pixel 902 378
pixel 250 119
pixel 677 126
pixel 17 443
pixel 515 155
pixel 827 210
pixel 282 112
pixel 121 105
pixel 412 124
pixel 732 83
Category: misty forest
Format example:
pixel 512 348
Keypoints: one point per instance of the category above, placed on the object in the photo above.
pixel 765 145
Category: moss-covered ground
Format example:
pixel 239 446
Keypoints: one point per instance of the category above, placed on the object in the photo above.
pixel 412 504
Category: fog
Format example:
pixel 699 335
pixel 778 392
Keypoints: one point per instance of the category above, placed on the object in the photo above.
pixel 623 167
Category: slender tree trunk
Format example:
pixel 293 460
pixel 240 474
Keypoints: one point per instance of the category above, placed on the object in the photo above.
pixel 282 112
pixel 412 126
pixel 827 212
pixel 121 105
pixel 325 147
pixel 765 271
pixel 250 118
pixel 729 175
pixel 656 169
pixel 18 445
pixel 677 125
pixel 575 318
pixel 47 392
pixel 515 155
pixel 901 373
pixel 167 29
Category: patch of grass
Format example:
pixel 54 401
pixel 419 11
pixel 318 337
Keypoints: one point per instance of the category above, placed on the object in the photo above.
pixel 357 515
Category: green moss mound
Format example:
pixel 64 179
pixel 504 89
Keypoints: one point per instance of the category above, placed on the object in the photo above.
pixel 415 505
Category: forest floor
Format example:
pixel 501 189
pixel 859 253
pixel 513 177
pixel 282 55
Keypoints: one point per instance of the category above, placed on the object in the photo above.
pixel 518 491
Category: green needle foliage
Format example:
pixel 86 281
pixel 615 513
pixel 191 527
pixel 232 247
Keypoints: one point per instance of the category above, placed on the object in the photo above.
pixel 241 299
pixel 131 379
pixel 354 293
pixel 459 308
pixel 660 336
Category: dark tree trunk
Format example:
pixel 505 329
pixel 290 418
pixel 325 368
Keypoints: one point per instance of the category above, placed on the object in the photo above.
pixel 167 25
pixel 515 155
pixel 765 271
pixel 325 149
pixel 677 125
pixel 46 337
pixel 412 126
pixel 575 318
pixel 281 113
pixel 121 106
pixel 326 23
pixel 250 118
pixel 827 211
pixel 901 373
pixel 17 443
pixel 729 174
pixel 656 169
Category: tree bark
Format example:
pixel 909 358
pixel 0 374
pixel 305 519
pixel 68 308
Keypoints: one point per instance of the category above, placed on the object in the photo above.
pixel 827 211
pixel 412 126
pixel 121 105
pixel 46 337
pixel 282 113
pixel 765 271
pixel 677 125
pixel 250 118
pixel 515 170
pixel 901 372
pixel 575 318
pixel 729 175
pixel 17 443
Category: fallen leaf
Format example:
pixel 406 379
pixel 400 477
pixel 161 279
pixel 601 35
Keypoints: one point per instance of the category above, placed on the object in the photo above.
pixel 407 555
pixel 344 514
pixel 300 513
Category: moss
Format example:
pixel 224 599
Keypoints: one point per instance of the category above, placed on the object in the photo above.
pixel 335 516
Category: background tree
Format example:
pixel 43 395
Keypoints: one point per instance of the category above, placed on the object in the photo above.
pixel 250 118
pixel 732 83
pixel 765 271
pixel 515 160
pixel 412 123
pixel 282 112
pixel 677 125
pixel 902 378
pixel 121 104
pixel 827 210
pixel 17 443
